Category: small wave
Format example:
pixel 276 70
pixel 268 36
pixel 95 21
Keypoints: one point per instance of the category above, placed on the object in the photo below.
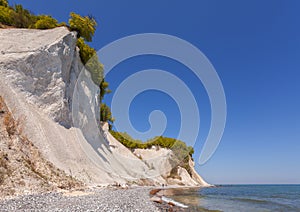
pixel 252 200
pixel 169 200
pixel 272 204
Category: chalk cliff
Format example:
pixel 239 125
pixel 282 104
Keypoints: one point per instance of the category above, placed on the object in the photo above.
pixel 39 72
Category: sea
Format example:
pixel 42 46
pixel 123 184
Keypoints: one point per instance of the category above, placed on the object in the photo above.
pixel 239 198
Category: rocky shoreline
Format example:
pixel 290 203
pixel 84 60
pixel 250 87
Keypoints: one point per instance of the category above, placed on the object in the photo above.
pixel 96 199
pixel 108 199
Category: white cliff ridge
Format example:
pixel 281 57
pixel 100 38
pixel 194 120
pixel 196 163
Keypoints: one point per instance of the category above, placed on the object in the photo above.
pixel 39 71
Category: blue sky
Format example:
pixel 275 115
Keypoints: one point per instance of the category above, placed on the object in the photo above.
pixel 254 47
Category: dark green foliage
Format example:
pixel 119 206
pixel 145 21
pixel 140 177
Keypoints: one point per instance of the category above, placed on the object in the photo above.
pixel 127 140
pixel 16 16
pixel 105 114
pixel 62 24
pixel 125 135
pixel 105 111
pixel 6 15
pixel 180 149
pixel 4 3
pixel 184 163
pixel 90 59
pixel 85 26
pixel 86 52
pixel 191 150
pixel 45 22
pixel 22 18
pixel 19 17
pixel 104 89
pixel 95 67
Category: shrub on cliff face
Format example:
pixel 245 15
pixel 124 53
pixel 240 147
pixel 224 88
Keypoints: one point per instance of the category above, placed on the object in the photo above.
pixel 104 89
pixel 88 56
pixel 85 26
pixel 95 67
pixel 86 52
pixel 91 61
pixel 105 114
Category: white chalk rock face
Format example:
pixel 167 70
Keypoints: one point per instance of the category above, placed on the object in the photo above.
pixel 39 72
pixel 157 159
pixel 43 65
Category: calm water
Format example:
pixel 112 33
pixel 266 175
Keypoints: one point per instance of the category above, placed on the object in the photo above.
pixel 241 198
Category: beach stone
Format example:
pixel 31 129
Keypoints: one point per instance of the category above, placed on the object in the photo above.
pixel 154 191
pixel 156 199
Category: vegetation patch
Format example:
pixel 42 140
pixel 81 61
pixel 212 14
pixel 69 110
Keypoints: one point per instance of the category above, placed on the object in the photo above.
pixel 164 142
pixel 182 152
